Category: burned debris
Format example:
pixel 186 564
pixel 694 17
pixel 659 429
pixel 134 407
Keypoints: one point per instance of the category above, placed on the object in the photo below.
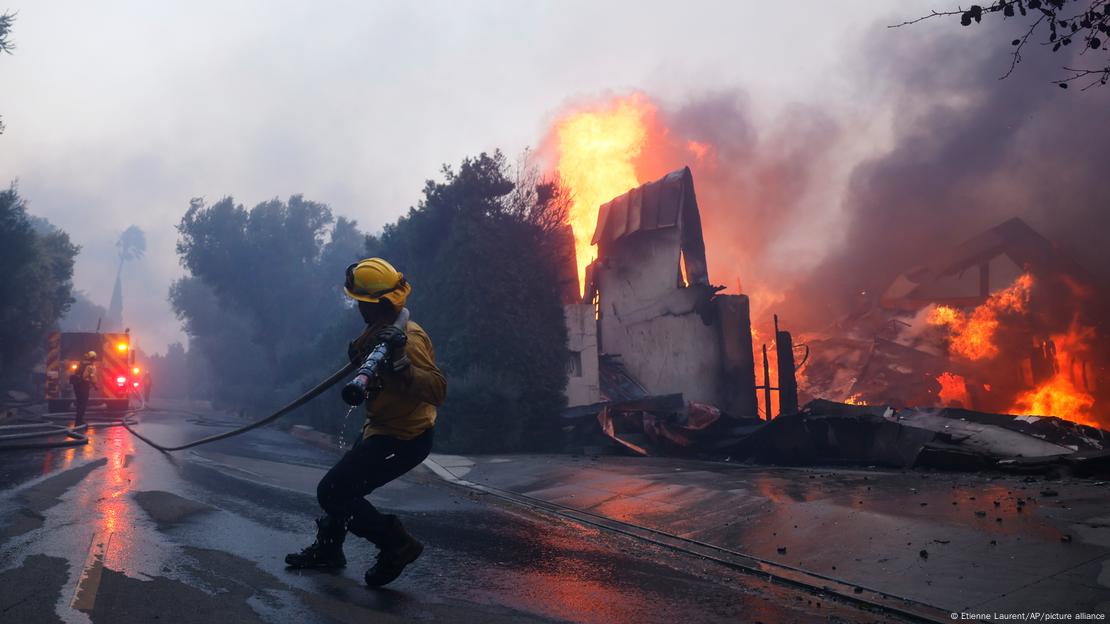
pixel 829 433
pixel 659 356
pixel 664 363
pixel 649 302
pixel 1005 322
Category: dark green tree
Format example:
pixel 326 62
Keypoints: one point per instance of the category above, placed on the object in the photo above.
pixel 486 287
pixel 37 286
pixel 177 374
pixel 263 302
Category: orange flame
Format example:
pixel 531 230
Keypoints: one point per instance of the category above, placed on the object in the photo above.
pixel 855 399
pixel 953 390
pixel 1061 396
pixel 596 150
pixel 972 335
pixel 1058 397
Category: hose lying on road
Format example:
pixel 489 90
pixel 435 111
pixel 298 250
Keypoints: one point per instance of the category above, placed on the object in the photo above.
pixel 42 427
pixel 74 437
pixel 299 401
pixel 127 420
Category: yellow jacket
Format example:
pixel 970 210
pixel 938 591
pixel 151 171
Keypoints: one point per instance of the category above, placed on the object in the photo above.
pixel 86 372
pixel 406 406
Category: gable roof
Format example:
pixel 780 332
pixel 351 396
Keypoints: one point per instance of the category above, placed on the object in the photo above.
pixel 668 202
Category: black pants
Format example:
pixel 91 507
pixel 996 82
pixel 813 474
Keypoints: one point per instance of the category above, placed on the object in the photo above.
pixel 372 463
pixel 80 402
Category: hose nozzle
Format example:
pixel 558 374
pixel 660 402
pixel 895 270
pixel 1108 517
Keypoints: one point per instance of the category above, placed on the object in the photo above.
pixel 358 389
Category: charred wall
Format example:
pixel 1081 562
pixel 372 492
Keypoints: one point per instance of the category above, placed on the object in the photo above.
pixel 656 309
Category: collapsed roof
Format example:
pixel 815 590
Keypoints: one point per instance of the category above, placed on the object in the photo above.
pixel 1014 240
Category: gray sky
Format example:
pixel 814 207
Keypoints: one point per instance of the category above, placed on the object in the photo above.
pixel 119 112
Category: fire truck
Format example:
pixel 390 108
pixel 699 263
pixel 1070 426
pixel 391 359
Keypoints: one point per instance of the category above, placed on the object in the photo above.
pixel 118 374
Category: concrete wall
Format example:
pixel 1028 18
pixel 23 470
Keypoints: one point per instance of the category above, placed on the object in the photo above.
pixel 673 333
pixel 667 335
pixel 582 384
pixel 738 373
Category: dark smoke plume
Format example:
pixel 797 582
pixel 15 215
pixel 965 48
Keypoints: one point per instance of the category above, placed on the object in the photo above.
pixel 814 211
pixel 970 151
pixel 756 183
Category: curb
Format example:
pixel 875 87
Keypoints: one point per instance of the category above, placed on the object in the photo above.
pixel 786 575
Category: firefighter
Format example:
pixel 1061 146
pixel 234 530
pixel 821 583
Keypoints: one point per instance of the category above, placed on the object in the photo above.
pixel 83 380
pixel 146 386
pixel 396 436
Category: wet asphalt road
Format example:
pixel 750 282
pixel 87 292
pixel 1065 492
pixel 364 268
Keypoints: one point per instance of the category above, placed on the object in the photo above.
pixel 116 532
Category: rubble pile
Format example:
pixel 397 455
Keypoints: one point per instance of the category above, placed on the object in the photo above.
pixel 663 363
pixel 829 433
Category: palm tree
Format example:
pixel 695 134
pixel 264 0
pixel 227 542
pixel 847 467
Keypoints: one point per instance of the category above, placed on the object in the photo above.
pixel 131 245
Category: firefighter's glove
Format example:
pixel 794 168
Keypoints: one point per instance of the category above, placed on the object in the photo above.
pixel 394 337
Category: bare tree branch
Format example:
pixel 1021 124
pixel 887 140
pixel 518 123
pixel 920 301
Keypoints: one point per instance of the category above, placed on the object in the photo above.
pixel 1089 23
pixel 1015 58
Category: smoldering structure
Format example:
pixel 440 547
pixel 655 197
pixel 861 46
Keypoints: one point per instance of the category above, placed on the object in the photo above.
pixel 663 363
pixel 658 355
pixel 1004 321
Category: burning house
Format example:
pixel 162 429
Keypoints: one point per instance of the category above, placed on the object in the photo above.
pixel 1001 324
pixel 1004 322
pixel 992 338
pixel 651 325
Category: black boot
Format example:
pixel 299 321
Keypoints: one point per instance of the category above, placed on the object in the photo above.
pixel 398 549
pixel 326 551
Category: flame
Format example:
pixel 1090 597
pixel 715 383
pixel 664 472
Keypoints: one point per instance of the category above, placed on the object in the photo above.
pixel 596 149
pixel 972 335
pixel 855 399
pixel 953 390
pixel 1060 396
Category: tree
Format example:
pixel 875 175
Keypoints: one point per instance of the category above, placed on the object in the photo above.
pixel 263 303
pixel 131 245
pixel 6 20
pixel 486 286
pixel 6 46
pixel 37 286
pixel 222 336
pixel 178 374
pixel 1057 24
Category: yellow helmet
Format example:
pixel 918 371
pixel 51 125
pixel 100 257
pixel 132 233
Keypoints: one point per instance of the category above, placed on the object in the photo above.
pixel 91 355
pixel 373 279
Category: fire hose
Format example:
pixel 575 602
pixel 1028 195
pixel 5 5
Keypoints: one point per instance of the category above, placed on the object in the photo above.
pixel 366 383
pixel 43 427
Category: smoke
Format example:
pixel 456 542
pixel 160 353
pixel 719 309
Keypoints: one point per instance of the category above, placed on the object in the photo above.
pixel 969 151
pixel 815 211
pixel 758 190
pixel 761 186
